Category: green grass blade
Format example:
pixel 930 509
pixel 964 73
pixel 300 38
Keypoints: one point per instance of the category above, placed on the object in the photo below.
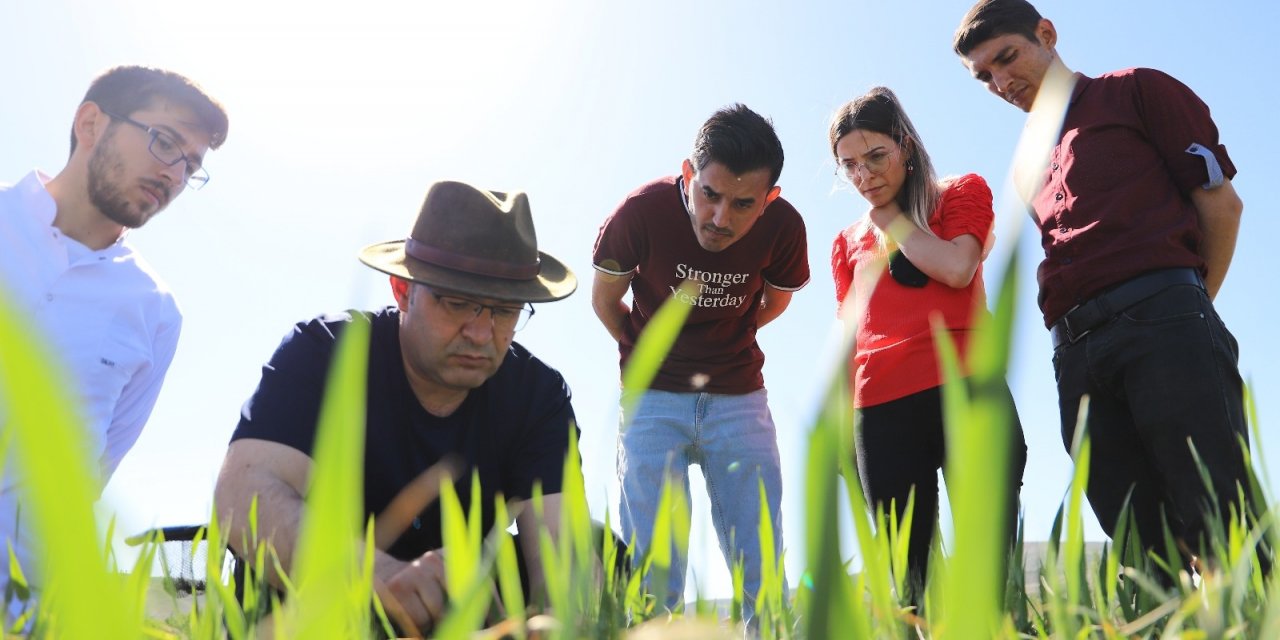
pixel 509 571
pixel 59 482
pixel 670 539
pixel 831 608
pixel 1073 548
pixel 577 538
pixel 462 563
pixel 326 563
pixel 653 344
pixel 978 436
pixel 769 597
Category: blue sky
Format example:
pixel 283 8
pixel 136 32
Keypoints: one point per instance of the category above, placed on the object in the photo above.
pixel 343 113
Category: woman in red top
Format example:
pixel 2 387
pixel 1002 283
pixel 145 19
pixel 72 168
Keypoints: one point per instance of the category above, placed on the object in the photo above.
pixel 929 237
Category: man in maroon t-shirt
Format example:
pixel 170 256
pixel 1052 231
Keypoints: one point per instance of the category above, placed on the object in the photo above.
pixel 721 226
pixel 1138 220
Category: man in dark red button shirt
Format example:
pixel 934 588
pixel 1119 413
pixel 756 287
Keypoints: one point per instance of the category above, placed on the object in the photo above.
pixel 1138 222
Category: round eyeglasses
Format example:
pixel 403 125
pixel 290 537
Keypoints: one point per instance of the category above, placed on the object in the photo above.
pixel 165 148
pixel 876 163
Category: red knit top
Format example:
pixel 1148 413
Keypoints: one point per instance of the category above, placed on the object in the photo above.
pixel 895 355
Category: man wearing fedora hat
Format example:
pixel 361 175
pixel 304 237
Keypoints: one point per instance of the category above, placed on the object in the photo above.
pixel 446 383
pixel 721 226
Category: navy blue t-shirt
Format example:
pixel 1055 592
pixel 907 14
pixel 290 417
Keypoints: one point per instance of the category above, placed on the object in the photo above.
pixel 513 430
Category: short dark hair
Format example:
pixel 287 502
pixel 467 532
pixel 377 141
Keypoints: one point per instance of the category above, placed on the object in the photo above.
pixel 991 18
pixel 740 139
pixel 126 89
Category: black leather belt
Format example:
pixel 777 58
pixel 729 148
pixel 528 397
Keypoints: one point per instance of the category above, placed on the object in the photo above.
pixel 1102 308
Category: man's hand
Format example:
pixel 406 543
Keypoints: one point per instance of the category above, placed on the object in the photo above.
pixel 419 587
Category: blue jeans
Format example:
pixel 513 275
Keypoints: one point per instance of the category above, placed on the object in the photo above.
pixel 1162 372
pixel 732 438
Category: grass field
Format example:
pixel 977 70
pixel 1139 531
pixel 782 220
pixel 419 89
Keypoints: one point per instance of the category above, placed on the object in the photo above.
pixel 1081 592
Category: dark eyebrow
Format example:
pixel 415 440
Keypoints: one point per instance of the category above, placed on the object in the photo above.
pixel 869 152
pixel 1004 54
pixel 198 159
pixel 500 304
pixel 171 132
pixel 709 192
pixel 1000 59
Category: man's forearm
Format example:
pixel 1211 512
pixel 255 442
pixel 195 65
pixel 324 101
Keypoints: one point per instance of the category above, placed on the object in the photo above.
pixel 772 303
pixel 607 293
pixel 1219 211
pixel 279 514
pixel 1217 257
pixel 279 511
pixel 614 319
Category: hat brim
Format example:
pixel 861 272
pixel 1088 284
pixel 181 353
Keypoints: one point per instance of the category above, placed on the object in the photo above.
pixel 554 280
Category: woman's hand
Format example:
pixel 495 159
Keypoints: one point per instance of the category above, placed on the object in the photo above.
pixel 883 216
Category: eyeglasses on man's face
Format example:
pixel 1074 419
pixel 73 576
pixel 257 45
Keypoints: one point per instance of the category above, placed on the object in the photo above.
pixel 876 163
pixel 165 148
pixel 506 318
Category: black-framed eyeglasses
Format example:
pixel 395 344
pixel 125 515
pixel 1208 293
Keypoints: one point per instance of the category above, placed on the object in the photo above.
pixel 506 319
pixel 165 148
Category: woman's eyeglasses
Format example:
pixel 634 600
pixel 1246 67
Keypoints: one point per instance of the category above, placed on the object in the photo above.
pixel 876 163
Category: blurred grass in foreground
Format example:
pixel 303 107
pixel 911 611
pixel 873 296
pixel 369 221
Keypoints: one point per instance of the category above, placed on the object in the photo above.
pixel 331 591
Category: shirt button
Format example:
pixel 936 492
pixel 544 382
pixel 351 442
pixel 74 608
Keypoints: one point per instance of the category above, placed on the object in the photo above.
pixel 1055 166
pixel 1066 261
pixel 48 297
pixel 1058 196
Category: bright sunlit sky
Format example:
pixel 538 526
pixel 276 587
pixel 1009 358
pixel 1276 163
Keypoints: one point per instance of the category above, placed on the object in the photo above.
pixel 343 113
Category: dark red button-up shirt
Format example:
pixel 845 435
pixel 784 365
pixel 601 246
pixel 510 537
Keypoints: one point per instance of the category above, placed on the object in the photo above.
pixel 1115 201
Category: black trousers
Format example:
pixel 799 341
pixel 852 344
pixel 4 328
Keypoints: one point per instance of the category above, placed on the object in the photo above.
pixel 900 446
pixel 1161 373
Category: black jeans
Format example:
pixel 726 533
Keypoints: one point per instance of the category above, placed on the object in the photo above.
pixel 901 445
pixel 1161 373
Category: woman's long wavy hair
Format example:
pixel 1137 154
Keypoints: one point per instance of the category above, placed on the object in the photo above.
pixel 879 110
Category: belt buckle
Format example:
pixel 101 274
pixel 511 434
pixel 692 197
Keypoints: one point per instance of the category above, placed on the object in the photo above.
pixel 1072 336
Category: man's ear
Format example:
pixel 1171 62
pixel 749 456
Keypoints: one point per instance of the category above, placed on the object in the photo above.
pixel 772 195
pixel 1046 33
pixel 400 289
pixel 89 125
pixel 688 171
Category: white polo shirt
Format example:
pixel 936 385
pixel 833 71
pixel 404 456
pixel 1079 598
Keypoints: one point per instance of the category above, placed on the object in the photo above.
pixel 106 314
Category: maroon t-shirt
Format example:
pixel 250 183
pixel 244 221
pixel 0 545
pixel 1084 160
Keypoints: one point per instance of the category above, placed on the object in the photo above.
pixel 650 237
pixel 1115 201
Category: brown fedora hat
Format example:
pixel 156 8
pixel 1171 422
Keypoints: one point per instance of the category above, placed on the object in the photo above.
pixel 477 242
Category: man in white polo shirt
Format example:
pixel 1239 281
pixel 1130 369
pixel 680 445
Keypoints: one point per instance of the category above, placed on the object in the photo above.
pixel 138 139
